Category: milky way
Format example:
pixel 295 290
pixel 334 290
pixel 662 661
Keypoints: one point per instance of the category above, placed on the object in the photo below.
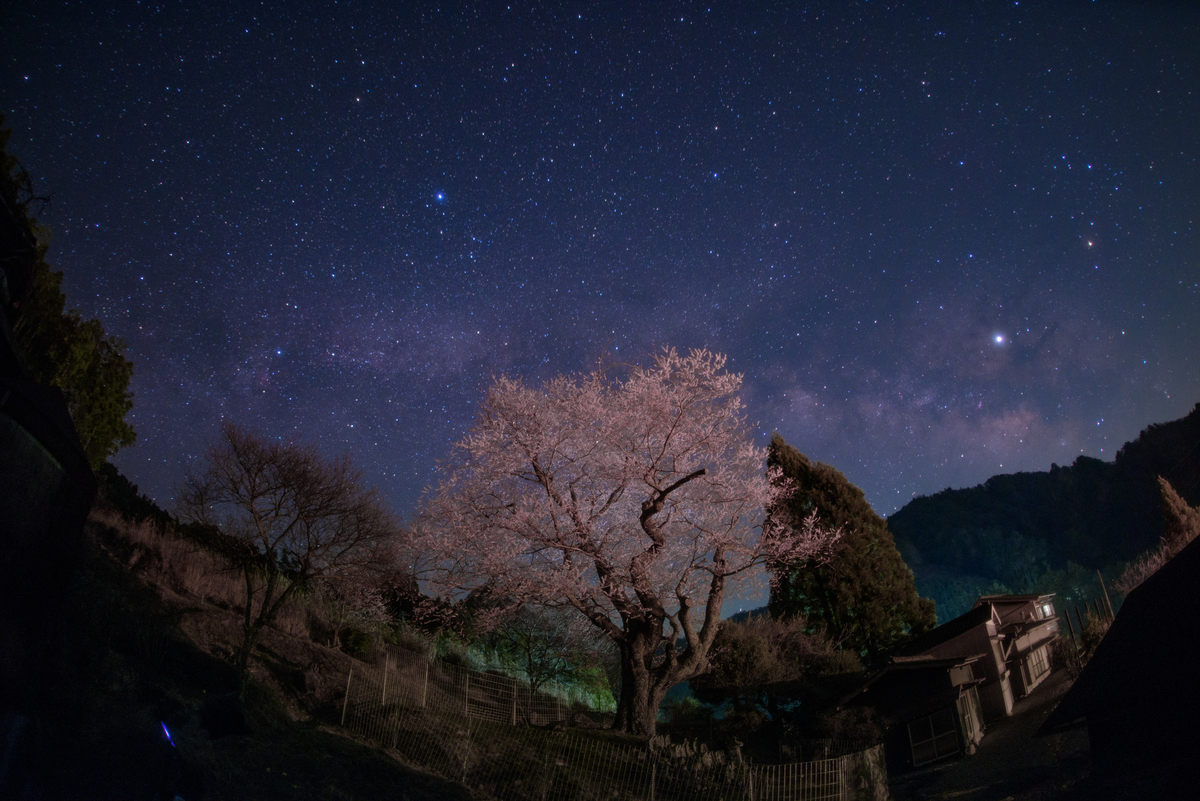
pixel 940 245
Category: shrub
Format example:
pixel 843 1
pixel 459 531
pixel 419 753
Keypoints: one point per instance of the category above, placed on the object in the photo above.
pixel 456 652
pixel 1093 632
pixel 685 711
pixel 1066 657
pixel 357 643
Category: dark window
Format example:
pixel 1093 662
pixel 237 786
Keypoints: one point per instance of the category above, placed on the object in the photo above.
pixel 933 737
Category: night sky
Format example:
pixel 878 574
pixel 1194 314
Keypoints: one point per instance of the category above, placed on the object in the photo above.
pixel 941 240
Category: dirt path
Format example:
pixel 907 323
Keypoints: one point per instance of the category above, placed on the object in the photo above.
pixel 1010 762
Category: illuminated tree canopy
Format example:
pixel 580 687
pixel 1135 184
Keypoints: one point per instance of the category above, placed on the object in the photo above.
pixel 633 501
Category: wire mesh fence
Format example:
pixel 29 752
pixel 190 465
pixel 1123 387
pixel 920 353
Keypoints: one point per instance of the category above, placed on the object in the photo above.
pixel 478 729
pixel 402 679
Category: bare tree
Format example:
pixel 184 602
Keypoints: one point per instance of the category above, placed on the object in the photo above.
pixel 292 516
pixel 548 644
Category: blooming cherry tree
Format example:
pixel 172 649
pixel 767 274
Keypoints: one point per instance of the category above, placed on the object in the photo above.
pixel 632 501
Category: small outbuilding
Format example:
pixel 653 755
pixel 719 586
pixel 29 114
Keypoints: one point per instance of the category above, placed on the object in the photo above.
pixel 929 707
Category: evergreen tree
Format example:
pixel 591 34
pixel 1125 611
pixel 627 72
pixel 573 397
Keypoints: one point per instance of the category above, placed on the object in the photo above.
pixel 48 343
pixel 1181 521
pixel 1181 524
pixel 865 595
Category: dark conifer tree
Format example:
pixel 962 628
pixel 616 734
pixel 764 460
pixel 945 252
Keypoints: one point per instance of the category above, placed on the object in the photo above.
pixel 43 339
pixel 865 595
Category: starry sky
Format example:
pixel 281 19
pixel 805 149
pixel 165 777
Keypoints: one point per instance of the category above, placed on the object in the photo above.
pixel 941 240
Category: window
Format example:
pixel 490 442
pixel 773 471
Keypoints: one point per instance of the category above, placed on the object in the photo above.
pixel 971 716
pixel 933 737
pixel 1046 610
pixel 1038 665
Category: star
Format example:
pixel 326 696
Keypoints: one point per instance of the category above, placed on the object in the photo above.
pixel 803 208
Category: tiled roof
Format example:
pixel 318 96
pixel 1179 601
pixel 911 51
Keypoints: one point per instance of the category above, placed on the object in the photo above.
pixel 1012 599
pixel 945 632
pixel 919 662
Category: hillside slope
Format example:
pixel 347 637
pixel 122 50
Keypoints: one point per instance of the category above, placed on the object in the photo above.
pixel 1014 529
pixel 135 654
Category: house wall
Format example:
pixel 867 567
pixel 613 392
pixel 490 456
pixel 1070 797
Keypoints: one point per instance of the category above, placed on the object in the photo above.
pixel 1123 740
pixel 1039 635
pixel 996 693
pixel 1014 613
pixel 979 640
pixel 970 715
pixel 1021 679
pixel 996 699
pixel 1022 667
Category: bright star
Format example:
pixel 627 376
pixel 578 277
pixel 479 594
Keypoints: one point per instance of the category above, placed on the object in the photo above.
pixel 998 339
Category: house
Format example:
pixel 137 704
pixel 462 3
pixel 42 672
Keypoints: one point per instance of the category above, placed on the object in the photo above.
pixel 929 707
pixel 935 693
pixel 1010 633
pixel 1137 695
pixel 1027 628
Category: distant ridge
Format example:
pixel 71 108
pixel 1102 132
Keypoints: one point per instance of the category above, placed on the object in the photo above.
pixel 1014 527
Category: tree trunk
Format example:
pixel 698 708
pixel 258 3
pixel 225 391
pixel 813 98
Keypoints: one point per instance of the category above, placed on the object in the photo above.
pixel 253 625
pixel 250 629
pixel 642 688
pixel 241 657
pixel 644 706
pixel 623 721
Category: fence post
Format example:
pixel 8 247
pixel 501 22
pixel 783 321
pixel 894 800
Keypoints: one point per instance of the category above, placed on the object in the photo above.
pixel 387 659
pixel 1071 630
pixel 466 694
pixel 425 686
pixel 346 699
pixel 1111 615
pixel 653 776
pixel 514 704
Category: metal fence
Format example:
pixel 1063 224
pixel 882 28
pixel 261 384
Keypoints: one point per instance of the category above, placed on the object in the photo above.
pixel 487 732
